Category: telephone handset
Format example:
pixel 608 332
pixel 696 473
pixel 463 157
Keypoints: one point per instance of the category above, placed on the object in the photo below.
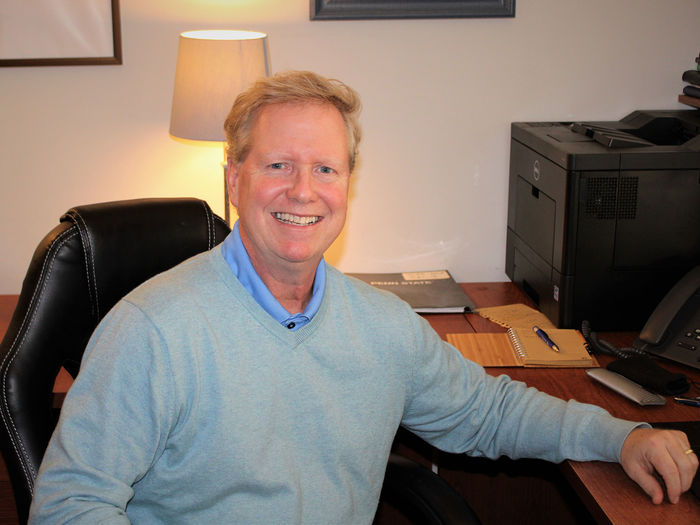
pixel 673 329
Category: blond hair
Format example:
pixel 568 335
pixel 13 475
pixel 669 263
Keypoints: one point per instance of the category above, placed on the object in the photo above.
pixel 290 87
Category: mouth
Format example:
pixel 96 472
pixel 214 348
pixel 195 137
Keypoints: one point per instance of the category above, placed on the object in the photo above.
pixel 296 220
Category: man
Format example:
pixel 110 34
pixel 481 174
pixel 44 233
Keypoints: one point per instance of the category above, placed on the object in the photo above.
pixel 255 384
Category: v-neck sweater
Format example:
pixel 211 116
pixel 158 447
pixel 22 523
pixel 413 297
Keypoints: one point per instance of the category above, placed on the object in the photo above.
pixel 193 405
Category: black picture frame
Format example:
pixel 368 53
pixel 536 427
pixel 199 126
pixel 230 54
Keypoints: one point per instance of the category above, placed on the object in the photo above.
pixel 374 9
pixel 114 59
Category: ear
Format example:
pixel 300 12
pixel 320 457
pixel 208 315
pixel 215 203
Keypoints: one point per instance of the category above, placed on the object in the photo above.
pixel 232 181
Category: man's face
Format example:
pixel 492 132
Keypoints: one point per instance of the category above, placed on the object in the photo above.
pixel 291 191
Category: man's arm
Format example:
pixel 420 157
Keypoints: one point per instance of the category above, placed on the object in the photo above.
pixel 111 427
pixel 647 452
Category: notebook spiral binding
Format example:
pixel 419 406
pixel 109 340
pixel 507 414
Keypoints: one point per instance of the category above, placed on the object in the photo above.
pixel 517 345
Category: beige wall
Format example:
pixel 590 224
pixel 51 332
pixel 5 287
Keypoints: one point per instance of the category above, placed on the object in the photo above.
pixel 439 96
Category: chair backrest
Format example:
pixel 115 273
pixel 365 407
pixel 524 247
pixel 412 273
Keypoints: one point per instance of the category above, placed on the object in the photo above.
pixel 95 256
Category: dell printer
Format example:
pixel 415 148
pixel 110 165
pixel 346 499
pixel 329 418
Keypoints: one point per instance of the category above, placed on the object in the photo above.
pixel 604 217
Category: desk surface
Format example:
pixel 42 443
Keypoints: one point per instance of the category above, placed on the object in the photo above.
pixel 603 487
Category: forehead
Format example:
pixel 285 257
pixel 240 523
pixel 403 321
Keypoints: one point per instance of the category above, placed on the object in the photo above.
pixel 299 119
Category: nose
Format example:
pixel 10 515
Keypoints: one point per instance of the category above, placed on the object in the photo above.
pixel 302 187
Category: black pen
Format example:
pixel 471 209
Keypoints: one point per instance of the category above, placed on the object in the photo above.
pixel 543 335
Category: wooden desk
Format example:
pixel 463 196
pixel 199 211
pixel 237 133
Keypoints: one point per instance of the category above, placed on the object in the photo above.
pixel 7 306
pixel 8 513
pixel 507 491
pixel 604 488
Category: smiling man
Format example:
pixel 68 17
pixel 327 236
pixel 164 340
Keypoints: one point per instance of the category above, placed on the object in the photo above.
pixel 291 193
pixel 255 384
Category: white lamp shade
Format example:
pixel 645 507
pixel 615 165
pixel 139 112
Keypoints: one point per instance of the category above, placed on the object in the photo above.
pixel 213 67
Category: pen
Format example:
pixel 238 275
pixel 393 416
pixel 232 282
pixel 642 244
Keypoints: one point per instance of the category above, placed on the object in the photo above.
pixel 691 401
pixel 543 335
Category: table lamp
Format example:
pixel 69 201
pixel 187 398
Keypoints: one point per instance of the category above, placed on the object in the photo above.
pixel 213 67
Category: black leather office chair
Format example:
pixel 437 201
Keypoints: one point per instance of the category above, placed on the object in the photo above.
pixel 95 256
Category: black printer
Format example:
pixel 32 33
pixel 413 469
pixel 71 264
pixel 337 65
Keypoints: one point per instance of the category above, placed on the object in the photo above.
pixel 604 217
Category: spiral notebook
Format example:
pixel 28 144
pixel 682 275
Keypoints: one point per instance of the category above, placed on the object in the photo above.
pixel 522 347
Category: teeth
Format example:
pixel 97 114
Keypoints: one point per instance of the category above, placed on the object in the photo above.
pixel 296 219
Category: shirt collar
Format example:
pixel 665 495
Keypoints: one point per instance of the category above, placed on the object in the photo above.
pixel 238 260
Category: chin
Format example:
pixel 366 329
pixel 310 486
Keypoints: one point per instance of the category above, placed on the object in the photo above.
pixel 302 255
pixel 303 258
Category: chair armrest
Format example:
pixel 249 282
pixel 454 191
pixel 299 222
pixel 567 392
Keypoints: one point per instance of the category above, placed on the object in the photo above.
pixel 418 492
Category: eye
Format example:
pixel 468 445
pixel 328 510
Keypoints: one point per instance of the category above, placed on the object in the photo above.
pixel 326 170
pixel 277 165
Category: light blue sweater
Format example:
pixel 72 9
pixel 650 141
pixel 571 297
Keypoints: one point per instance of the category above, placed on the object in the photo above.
pixel 194 406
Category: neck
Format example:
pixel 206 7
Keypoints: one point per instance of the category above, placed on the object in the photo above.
pixel 294 295
pixel 292 284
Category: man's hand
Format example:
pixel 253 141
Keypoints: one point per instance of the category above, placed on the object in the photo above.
pixel 648 452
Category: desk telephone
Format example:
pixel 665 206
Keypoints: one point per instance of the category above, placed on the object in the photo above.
pixel 672 332
pixel 673 329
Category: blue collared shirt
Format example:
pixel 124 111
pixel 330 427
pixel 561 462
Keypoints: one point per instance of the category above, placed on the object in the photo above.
pixel 238 260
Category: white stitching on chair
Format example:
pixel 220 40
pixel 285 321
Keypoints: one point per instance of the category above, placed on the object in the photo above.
pixel 219 220
pixel 210 225
pixel 89 264
pixel 47 265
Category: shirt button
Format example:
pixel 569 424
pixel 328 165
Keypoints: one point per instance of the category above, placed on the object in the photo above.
pixel 291 325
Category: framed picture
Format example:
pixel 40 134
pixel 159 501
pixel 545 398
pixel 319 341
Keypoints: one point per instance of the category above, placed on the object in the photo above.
pixel 365 9
pixel 59 32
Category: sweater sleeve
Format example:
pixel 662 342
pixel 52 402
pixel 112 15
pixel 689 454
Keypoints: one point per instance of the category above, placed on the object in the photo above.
pixel 455 405
pixel 113 425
